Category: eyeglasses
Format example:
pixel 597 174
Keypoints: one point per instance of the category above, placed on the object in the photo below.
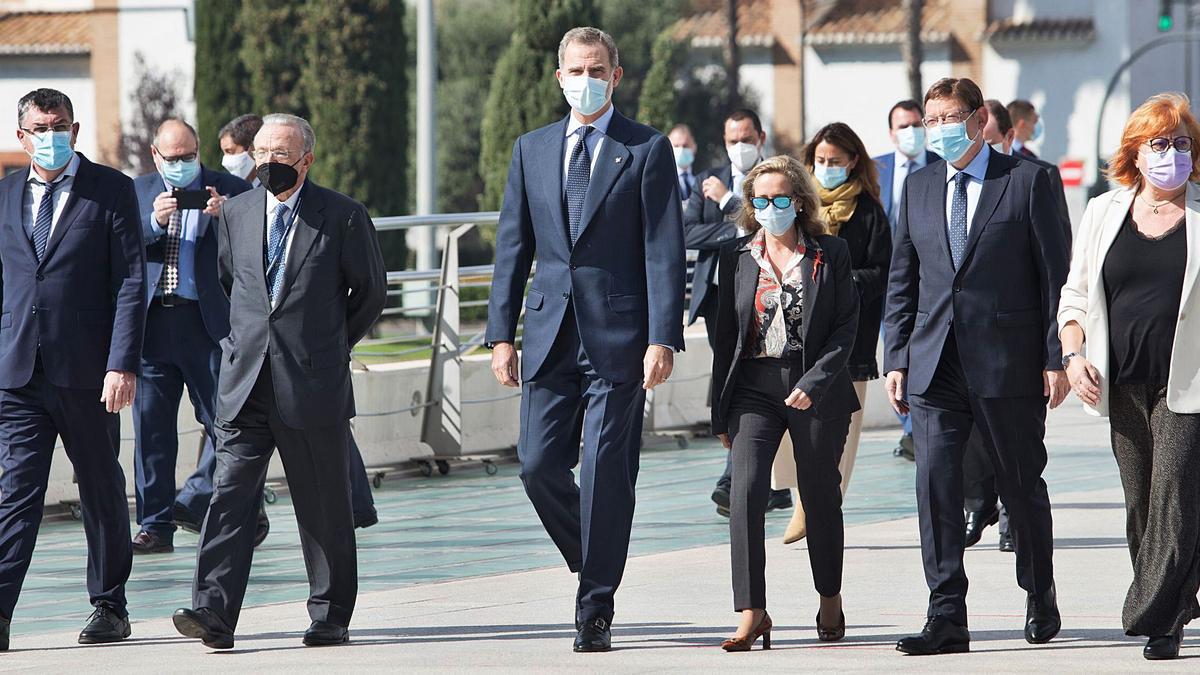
pixel 1162 144
pixel 190 157
pixel 260 155
pixel 39 130
pixel 948 118
pixel 761 203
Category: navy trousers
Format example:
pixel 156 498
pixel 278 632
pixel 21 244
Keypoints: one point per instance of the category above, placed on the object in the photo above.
pixel 1012 430
pixel 31 420
pixel 564 402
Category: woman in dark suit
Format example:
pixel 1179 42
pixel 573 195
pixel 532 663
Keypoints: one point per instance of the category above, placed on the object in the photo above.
pixel 786 320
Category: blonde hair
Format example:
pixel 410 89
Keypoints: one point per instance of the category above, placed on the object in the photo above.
pixel 804 195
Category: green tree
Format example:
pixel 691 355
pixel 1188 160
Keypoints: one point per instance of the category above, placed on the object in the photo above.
pixel 524 94
pixel 354 87
pixel 274 57
pixel 636 26
pixel 656 106
pixel 221 87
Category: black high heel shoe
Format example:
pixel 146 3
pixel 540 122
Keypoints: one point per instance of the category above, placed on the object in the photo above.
pixel 831 634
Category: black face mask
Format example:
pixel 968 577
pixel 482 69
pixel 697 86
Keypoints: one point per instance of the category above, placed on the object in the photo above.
pixel 278 177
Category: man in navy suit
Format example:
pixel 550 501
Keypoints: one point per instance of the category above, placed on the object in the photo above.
pixel 70 346
pixel 908 137
pixel 972 340
pixel 596 196
pixel 187 316
pixel 1027 127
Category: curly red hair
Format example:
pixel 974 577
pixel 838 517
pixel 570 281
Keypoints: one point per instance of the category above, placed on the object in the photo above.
pixel 1158 116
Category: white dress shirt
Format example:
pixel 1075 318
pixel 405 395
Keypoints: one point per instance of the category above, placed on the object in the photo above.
pixel 292 202
pixel 594 139
pixel 900 172
pixel 35 188
pixel 977 170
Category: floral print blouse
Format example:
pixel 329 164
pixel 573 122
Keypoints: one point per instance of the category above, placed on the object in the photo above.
pixel 778 306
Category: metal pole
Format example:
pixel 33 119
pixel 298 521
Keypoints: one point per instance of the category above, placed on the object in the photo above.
pixel 424 240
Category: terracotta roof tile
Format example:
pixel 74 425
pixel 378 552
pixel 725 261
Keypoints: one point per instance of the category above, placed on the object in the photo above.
pixel 877 22
pixel 1041 30
pixel 708 27
pixel 45 33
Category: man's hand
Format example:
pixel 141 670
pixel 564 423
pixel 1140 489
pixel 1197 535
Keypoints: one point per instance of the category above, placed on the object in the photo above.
pixel 215 200
pixel 798 400
pixel 1055 385
pixel 896 387
pixel 119 387
pixel 505 365
pixel 1084 379
pixel 164 206
pixel 714 189
pixel 725 441
pixel 657 366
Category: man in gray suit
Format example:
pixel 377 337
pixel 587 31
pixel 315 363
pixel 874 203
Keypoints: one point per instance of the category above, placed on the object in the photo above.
pixel 305 278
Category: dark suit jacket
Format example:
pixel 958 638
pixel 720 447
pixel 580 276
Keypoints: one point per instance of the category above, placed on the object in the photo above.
pixel 214 306
pixel 869 238
pixel 1001 303
pixel 1056 187
pixel 334 289
pixel 706 228
pixel 887 170
pixel 82 305
pixel 830 320
pixel 625 274
pixel 1025 153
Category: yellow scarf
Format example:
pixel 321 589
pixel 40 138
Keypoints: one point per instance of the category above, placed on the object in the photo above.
pixel 837 205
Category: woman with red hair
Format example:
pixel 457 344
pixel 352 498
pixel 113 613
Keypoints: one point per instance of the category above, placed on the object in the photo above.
pixel 1131 299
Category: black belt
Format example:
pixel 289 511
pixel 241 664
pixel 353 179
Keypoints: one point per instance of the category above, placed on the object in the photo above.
pixel 172 300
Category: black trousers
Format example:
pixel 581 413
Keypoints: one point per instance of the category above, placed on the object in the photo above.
pixel 757 421
pixel 1158 455
pixel 1012 430
pixel 315 462
pixel 31 420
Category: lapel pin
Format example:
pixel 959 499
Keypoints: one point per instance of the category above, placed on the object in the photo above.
pixel 617 160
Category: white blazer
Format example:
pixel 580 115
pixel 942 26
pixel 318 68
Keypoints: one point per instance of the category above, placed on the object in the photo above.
pixel 1083 298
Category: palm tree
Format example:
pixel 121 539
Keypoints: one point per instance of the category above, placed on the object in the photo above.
pixel 911 49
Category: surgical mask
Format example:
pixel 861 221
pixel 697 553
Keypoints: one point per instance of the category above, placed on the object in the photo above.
pixel 1168 170
pixel 586 95
pixel 683 157
pixel 180 173
pixel 910 141
pixel 52 149
pixel 743 156
pixel 1038 130
pixel 775 220
pixel 950 140
pixel 998 148
pixel 278 177
pixel 830 177
pixel 239 165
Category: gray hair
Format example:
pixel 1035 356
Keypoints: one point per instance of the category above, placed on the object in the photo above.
pixel 589 36
pixel 299 123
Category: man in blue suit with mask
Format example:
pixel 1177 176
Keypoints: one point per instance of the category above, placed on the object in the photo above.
pixel 596 196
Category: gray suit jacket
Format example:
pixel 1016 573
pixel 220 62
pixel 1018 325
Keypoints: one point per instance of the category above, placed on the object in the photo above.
pixel 334 289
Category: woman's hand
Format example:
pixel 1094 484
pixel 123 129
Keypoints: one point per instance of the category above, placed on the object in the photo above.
pixel 798 400
pixel 1084 379
pixel 725 440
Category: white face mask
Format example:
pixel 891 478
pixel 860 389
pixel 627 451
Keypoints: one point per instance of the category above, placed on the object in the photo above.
pixel 743 156
pixel 998 148
pixel 683 156
pixel 239 165
pixel 775 220
pixel 586 95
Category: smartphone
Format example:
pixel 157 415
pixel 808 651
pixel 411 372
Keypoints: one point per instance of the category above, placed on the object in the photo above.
pixel 191 199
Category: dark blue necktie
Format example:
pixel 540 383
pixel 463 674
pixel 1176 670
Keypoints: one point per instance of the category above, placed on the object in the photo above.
pixel 579 174
pixel 685 184
pixel 45 217
pixel 958 219
pixel 275 247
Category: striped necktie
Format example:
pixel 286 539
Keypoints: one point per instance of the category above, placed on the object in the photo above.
pixel 45 218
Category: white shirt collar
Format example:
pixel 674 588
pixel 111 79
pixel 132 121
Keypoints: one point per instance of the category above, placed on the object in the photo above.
pixel 902 159
pixel 977 169
pixel 600 124
pixel 291 201
pixel 67 174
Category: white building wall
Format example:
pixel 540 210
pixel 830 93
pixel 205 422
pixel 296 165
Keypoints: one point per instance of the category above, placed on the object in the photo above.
pixel 69 74
pixel 163 33
pixel 757 75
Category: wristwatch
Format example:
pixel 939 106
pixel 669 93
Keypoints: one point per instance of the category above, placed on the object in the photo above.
pixel 1067 358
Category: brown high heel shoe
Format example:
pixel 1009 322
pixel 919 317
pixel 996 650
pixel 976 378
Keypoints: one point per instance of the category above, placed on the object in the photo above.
pixel 831 634
pixel 743 644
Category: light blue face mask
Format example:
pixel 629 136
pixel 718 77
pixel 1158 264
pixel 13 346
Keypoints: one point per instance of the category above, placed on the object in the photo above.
pixel 830 177
pixel 586 95
pixel 52 150
pixel 1038 130
pixel 775 220
pixel 910 140
pixel 180 173
pixel 951 140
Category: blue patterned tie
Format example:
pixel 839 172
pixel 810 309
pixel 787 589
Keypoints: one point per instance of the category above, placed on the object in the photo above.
pixel 45 217
pixel 579 174
pixel 958 219
pixel 275 246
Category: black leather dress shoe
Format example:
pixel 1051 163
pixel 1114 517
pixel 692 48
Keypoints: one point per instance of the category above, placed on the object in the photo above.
pixel 105 625
pixel 1162 647
pixel 1007 545
pixel 4 626
pixel 939 636
pixel 203 625
pixel 905 448
pixel 779 499
pixel 978 521
pixel 148 543
pixel 720 496
pixel 185 519
pixel 595 635
pixel 324 634
pixel 1042 620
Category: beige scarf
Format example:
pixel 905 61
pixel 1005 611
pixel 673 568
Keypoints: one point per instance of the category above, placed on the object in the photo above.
pixel 837 205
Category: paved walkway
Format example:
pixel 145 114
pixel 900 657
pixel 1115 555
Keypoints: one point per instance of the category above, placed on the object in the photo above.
pixel 458 574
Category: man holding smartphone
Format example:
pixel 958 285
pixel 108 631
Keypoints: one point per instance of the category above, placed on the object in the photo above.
pixel 187 315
